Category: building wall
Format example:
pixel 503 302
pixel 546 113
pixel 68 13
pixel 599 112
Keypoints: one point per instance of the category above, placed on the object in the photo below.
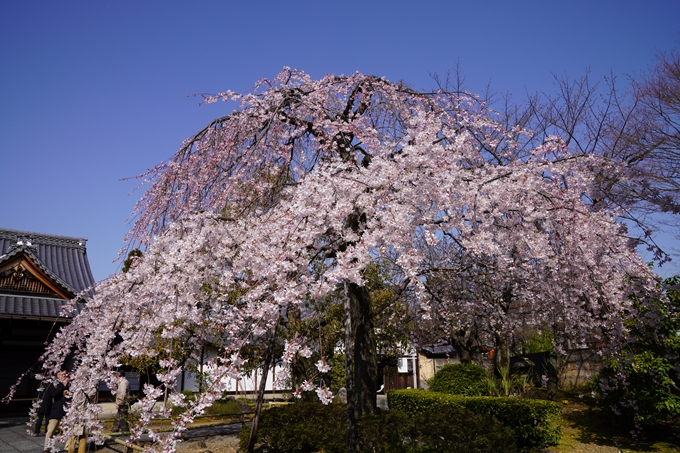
pixel 426 370
pixel 246 383
pixel 427 367
pixel 578 366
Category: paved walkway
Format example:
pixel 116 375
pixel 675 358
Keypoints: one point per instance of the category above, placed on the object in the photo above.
pixel 14 437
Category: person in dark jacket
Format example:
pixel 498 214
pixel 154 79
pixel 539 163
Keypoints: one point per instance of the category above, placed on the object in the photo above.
pixel 45 398
pixel 58 410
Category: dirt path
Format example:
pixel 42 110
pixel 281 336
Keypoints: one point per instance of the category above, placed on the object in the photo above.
pixel 213 444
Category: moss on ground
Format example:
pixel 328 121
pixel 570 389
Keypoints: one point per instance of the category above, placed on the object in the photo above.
pixel 588 428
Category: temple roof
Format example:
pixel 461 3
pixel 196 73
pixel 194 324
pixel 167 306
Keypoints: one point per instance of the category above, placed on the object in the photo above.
pixel 33 307
pixel 56 268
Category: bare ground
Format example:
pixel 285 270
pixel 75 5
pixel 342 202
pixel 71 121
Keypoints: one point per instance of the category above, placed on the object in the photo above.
pixel 587 429
pixel 213 444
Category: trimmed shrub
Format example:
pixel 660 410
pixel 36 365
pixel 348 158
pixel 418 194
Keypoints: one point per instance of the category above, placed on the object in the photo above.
pixel 384 432
pixel 465 379
pixel 456 430
pixel 311 427
pixel 303 427
pixel 535 423
pixel 226 406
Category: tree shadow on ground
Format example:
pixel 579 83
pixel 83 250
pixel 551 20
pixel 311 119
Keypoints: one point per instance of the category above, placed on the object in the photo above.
pixel 587 423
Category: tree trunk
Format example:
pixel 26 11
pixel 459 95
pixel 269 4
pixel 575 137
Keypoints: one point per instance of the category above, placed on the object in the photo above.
pixel 553 375
pixel 501 355
pixel 365 361
pixel 260 394
pixel 349 375
pixel 462 343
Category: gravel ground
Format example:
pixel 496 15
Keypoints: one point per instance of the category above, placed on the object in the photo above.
pixel 213 444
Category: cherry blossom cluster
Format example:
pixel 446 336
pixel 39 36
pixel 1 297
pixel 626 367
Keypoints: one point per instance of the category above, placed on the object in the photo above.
pixel 309 181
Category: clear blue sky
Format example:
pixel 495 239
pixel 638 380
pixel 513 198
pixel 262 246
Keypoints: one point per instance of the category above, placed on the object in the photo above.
pixel 95 91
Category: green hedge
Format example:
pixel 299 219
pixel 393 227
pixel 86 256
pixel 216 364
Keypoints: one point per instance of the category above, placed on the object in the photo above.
pixel 465 379
pixel 308 427
pixel 301 427
pixel 226 406
pixel 536 423
pixel 457 430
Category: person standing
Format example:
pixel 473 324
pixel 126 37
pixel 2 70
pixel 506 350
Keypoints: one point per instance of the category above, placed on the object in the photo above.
pixel 58 411
pixel 45 397
pixel 120 422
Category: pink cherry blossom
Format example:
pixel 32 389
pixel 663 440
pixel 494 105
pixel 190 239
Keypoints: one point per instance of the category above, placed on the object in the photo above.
pixel 325 395
pixel 322 366
pixel 249 220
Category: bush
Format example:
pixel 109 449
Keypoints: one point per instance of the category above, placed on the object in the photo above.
pixel 641 384
pixel 535 423
pixel 453 429
pixel 226 406
pixel 311 427
pixel 447 429
pixel 302 427
pixel 649 394
pixel 465 379
pixel 384 432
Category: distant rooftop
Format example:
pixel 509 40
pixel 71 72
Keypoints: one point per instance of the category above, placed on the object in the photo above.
pixel 63 259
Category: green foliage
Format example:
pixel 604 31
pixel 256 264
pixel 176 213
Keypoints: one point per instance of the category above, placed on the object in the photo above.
pixel 337 373
pixel 312 427
pixel 508 384
pixel 384 432
pixel 538 341
pixel 460 379
pixel 535 423
pixel 649 395
pixel 134 253
pixel 651 382
pixel 392 314
pixel 391 317
pixel 448 429
pixel 302 427
pixel 226 406
pixel 454 429
pixel 203 379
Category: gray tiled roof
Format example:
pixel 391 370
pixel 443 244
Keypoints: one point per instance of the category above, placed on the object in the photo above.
pixel 32 306
pixel 438 350
pixel 63 257
pixel 64 261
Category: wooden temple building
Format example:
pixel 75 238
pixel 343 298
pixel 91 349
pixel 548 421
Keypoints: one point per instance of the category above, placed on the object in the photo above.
pixel 39 274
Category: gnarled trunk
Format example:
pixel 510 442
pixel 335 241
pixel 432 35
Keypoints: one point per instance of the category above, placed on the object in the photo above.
pixel 365 360
pixel 361 365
